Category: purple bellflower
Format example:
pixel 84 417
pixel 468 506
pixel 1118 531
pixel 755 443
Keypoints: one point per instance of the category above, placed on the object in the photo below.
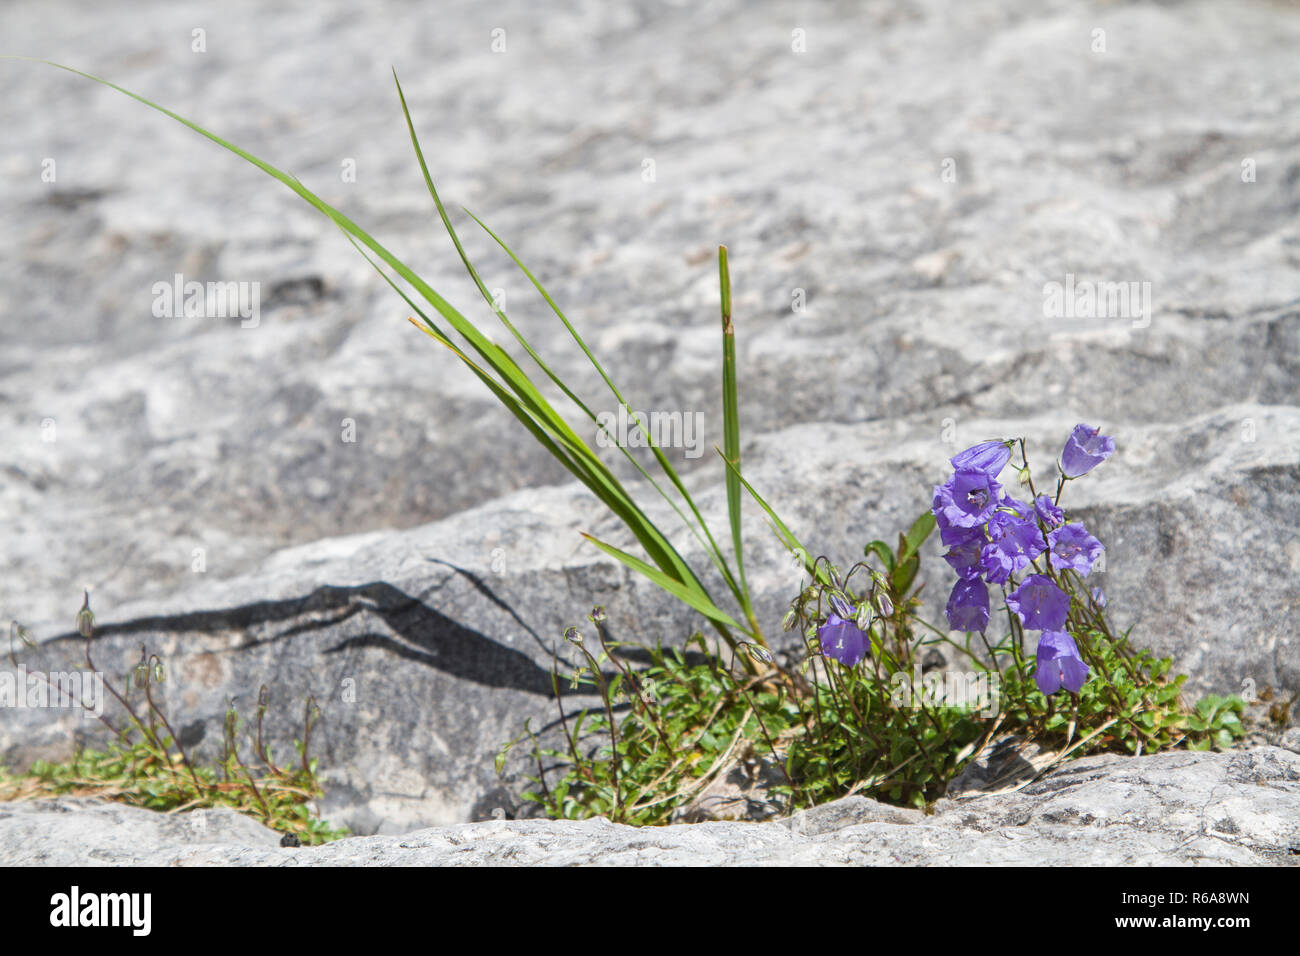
pixel 1048 513
pixel 1073 547
pixel 964 547
pixel 966 500
pixel 1058 663
pixel 1085 449
pixel 843 640
pixel 1012 544
pixel 968 606
pixel 988 456
pixel 1040 604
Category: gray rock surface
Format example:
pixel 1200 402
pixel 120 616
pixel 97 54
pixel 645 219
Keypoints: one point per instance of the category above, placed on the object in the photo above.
pixel 427 568
pixel 1170 809
pixel 425 659
pixel 83 832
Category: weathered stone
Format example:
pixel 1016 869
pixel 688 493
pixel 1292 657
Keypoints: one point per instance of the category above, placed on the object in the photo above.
pixel 83 832
pixel 1168 809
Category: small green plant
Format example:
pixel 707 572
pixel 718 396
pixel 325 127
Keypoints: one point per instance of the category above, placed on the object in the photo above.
pixel 146 766
pixel 853 712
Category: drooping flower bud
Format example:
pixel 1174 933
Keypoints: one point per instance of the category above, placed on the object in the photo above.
pixel 839 605
pixel 573 635
pixel 885 606
pixel 85 617
pixel 863 620
pixel 17 630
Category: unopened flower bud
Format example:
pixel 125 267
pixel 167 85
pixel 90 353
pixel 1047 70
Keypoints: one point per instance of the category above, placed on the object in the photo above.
pixel 85 617
pixel 758 651
pixel 573 635
pixel 839 605
pixel 863 620
pixel 598 614
pixel 788 622
pixel 885 605
pixel 17 630
pixel 1022 475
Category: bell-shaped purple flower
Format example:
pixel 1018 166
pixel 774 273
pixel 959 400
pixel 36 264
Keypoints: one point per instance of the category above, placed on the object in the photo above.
pixel 967 499
pixel 1058 664
pixel 1085 449
pixel 987 456
pixel 1040 604
pixel 968 606
pixel 843 640
pixel 1073 547
pixel 1049 514
pixel 1012 544
pixel 964 547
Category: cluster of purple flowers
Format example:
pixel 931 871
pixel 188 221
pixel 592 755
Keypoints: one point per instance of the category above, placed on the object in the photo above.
pixel 992 538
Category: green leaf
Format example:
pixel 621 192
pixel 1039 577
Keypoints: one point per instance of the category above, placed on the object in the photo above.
pixel 916 535
pixel 904 574
pixel 692 597
pixel 883 551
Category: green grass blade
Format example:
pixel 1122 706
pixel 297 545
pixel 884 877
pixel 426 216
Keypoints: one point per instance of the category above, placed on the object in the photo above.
pixel 493 354
pixel 715 553
pixel 675 588
pixel 710 546
pixel 783 533
pixel 731 426
pixel 469 265
pixel 698 595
